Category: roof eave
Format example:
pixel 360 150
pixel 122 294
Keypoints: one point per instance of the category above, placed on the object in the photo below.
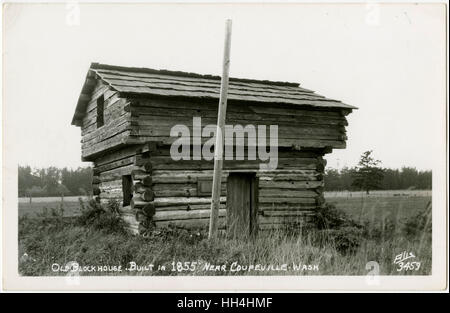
pixel 85 96
pixel 340 105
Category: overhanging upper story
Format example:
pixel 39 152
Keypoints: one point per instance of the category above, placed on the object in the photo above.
pixel 121 106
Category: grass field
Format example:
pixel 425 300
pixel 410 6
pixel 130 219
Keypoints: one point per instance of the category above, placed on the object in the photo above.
pixel 395 204
pixel 70 205
pixel 377 208
pixel 392 226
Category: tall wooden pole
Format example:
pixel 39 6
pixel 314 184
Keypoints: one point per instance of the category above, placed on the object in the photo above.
pixel 218 148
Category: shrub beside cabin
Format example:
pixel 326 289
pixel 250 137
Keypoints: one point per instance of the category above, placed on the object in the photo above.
pixel 126 115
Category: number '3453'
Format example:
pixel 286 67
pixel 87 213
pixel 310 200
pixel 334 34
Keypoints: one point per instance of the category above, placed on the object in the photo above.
pixel 408 266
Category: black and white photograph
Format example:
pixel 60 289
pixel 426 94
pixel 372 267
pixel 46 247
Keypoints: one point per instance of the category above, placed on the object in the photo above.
pixel 303 145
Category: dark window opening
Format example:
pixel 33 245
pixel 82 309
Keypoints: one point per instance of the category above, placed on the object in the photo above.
pixel 127 184
pixel 100 111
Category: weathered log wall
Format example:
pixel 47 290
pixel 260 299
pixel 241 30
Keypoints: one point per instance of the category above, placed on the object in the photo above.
pixel 135 140
pixel 116 129
pixel 129 122
pixel 152 120
pixel 178 192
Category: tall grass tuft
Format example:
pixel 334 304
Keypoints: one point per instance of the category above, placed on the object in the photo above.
pixel 99 217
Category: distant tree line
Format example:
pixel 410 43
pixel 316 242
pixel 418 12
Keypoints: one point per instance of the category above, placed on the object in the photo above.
pixel 390 179
pixel 53 181
pixel 367 175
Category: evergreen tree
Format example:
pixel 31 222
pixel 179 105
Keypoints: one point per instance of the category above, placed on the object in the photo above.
pixel 368 175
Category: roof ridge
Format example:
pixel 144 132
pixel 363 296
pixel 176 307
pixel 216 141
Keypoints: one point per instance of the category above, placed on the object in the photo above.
pixel 100 66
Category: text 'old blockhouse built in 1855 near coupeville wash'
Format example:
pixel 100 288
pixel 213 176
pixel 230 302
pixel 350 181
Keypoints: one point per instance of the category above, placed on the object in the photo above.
pixel 126 116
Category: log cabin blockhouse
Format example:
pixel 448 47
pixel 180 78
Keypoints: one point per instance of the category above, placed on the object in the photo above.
pixel 126 114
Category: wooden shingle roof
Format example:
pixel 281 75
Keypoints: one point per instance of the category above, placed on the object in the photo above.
pixel 143 81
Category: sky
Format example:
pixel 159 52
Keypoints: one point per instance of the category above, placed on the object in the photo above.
pixel 387 60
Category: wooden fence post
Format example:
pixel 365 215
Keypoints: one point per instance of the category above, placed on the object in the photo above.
pixel 218 148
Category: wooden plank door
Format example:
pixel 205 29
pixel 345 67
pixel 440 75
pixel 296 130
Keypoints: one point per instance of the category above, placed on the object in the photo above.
pixel 242 205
